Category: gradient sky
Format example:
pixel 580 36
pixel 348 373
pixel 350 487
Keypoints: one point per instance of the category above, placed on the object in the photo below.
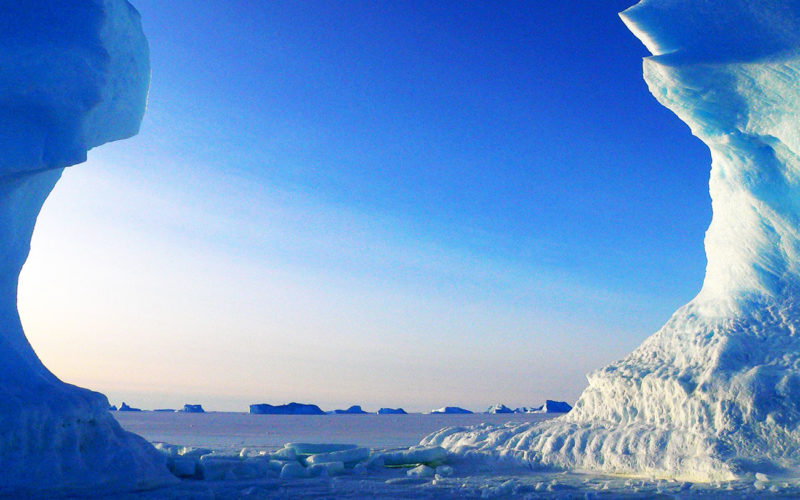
pixel 410 204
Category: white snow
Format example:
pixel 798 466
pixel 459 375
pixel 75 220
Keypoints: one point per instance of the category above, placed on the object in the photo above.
pixel 715 394
pixel 75 75
pixel 249 472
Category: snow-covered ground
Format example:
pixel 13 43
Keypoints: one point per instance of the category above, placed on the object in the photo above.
pixel 226 434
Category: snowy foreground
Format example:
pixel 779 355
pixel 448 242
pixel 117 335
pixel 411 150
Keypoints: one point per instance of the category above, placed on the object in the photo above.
pixel 245 456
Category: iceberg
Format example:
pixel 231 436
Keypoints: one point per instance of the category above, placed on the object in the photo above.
pixel 392 411
pixel 353 410
pixel 499 408
pixel 75 75
pixel 549 406
pixel 124 407
pixel 714 394
pixel 188 408
pixel 450 410
pixel 288 409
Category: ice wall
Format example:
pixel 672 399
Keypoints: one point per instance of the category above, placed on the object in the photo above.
pixel 716 392
pixel 75 75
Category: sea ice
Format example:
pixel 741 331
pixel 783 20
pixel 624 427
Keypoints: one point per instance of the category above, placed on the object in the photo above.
pixel 327 468
pixel 293 470
pixel 421 471
pixel 714 394
pixel 429 455
pixel 316 448
pixel 350 456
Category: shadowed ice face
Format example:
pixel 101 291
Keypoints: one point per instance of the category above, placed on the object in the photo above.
pixel 57 74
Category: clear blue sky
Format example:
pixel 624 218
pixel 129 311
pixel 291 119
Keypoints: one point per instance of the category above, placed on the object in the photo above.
pixel 408 204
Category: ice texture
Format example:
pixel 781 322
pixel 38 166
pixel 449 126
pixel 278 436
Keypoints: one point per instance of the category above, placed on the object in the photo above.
pixel 75 75
pixel 715 393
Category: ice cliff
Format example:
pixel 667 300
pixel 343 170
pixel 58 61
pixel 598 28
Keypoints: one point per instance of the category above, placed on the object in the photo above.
pixel 75 74
pixel 715 393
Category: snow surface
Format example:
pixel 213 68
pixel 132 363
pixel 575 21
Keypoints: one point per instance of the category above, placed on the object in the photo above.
pixel 715 394
pixel 75 75
pixel 283 471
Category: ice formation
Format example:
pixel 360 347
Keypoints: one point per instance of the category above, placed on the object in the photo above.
pixel 287 409
pixel 391 411
pixel 716 392
pixel 75 75
pixel 353 410
pixel 450 410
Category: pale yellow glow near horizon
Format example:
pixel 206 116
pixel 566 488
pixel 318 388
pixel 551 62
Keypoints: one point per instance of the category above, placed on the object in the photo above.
pixel 141 295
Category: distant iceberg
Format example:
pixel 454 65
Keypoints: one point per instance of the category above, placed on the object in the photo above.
pixel 714 394
pixel 450 410
pixel 124 407
pixel 391 411
pixel 353 410
pixel 193 409
pixel 549 406
pixel 287 409
pixel 499 408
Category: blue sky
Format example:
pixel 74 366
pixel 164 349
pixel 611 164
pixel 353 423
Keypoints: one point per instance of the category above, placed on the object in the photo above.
pixel 408 204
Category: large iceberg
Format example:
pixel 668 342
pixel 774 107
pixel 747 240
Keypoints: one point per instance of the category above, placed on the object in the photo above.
pixel 715 393
pixel 75 75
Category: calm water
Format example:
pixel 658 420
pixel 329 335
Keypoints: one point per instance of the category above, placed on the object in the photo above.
pixel 231 431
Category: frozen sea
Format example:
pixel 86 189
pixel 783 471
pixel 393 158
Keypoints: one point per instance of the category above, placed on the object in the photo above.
pixel 228 433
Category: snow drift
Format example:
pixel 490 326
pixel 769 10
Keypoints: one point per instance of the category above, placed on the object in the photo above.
pixel 75 75
pixel 716 392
